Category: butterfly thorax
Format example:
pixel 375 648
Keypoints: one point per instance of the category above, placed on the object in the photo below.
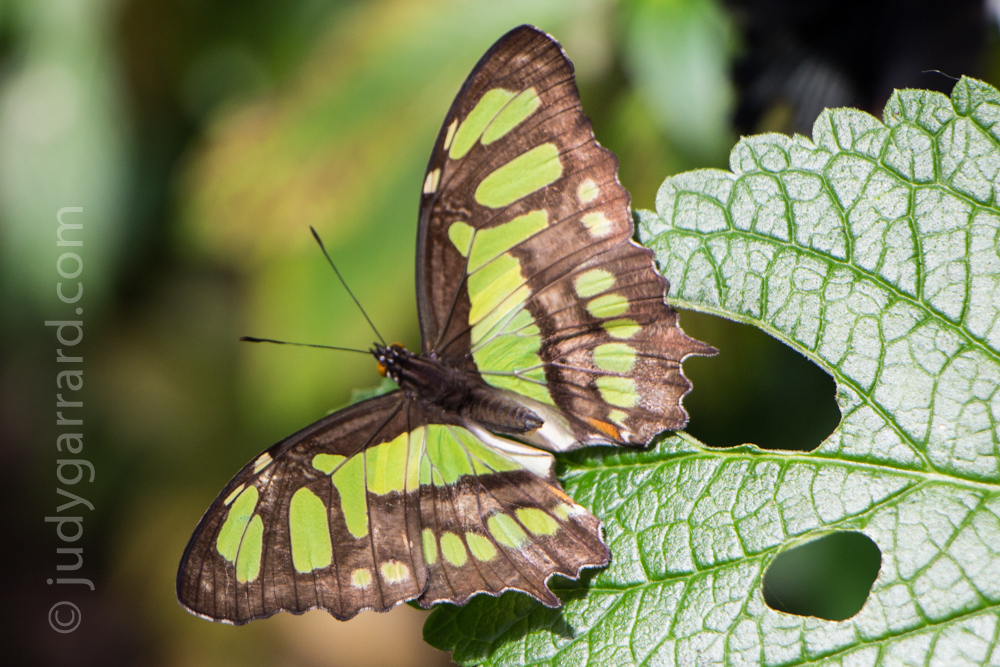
pixel 454 390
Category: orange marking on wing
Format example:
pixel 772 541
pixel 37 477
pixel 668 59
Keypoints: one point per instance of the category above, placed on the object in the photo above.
pixel 563 496
pixel 607 429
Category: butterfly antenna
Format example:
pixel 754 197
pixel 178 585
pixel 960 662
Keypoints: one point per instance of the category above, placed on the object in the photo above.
pixel 344 283
pixel 252 339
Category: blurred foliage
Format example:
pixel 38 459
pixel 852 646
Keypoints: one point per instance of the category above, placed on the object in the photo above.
pixel 202 139
pixel 677 57
pixel 64 139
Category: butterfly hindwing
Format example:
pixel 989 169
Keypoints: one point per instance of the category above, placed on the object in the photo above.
pixel 544 292
pixel 381 503
pixel 503 524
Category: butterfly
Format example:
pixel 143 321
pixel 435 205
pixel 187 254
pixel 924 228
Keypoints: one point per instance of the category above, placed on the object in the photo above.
pixel 544 329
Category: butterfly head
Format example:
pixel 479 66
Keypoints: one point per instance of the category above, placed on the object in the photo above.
pixel 390 359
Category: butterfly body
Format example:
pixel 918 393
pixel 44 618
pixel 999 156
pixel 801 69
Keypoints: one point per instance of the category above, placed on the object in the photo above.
pixel 453 390
pixel 544 329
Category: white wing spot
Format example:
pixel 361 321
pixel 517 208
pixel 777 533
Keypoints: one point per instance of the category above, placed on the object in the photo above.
pixel 597 224
pixel 565 510
pixel 431 182
pixel 451 134
pixel 232 496
pixel 262 462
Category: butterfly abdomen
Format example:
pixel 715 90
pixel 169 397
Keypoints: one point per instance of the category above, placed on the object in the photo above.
pixel 499 413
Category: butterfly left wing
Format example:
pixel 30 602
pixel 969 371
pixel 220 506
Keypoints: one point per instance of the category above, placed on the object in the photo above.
pixel 386 501
pixel 296 528
pixel 527 273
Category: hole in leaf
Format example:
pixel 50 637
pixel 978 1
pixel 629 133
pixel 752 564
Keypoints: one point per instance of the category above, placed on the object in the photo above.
pixel 828 578
pixel 756 390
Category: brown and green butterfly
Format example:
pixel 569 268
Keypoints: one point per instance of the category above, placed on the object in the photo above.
pixel 544 330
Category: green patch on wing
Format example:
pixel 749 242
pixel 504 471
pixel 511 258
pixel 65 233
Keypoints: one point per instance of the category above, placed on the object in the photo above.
pixel 453 549
pixel 436 454
pixel 251 549
pixel 453 451
pixel 235 525
pixel 506 531
pixel 497 113
pixel 386 465
pixel 615 357
pixel 512 115
pixel 490 243
pixel 505 339
pixel 481 547
pixel 475 123
pixel 349 480
pixel 495 289
pixel 507 356
pixel 529 172
pixel 310 531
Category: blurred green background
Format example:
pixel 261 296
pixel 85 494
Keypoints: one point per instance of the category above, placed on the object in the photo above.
pixel 202 138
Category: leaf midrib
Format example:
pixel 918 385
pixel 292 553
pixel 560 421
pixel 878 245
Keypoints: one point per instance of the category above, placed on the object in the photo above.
pixel 576 470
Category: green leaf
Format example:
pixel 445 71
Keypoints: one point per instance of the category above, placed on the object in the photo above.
pixel 873 249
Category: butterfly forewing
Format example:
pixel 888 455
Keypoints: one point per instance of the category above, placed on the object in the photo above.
pixel 524 64
pixel 544 293
pixel 296 528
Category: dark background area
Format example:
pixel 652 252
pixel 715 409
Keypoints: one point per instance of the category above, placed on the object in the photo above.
pixel 202 138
